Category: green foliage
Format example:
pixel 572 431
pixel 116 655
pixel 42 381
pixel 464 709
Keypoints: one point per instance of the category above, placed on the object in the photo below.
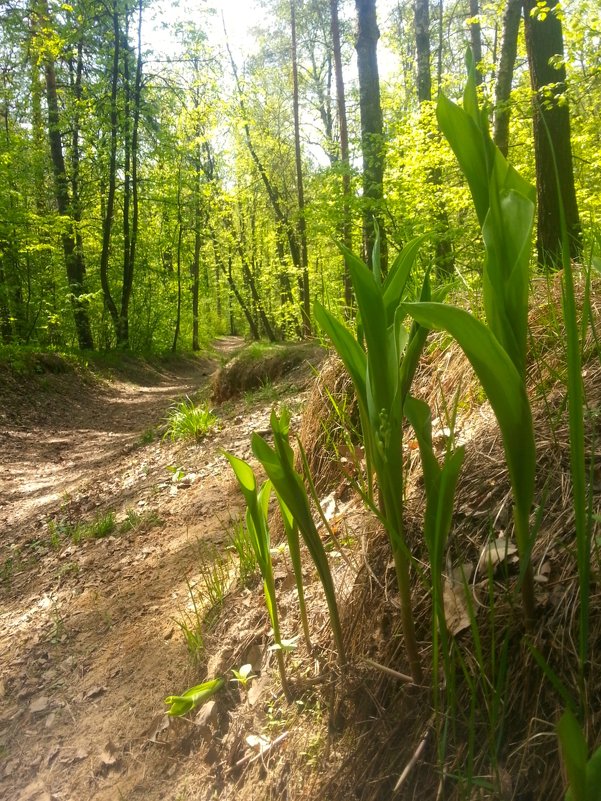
pixel 496 351
pixel 187 420
pixel 382 374
pixel 138 521
pixel 247 559
pixel 584 773
pixel 243 676
pixel 194 697
pixel 257 503
pixel 103 525
pixel 191 625
pixel 278 463
pixel 214 579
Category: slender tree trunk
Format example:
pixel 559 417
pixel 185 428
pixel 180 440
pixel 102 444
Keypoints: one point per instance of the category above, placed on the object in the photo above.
pixel 552 142
pixel 107 222
pixel 122 330
pixel 305 296
pixel 197 244
pixel 346 229
pixel 476 37
pixel 444 247
pixel 509 49
pixel 6 329
pixel 283 224
pixel 372 140
pixel 75 199
pixel 74 261
pixel 422 48
pixel 131 190
pixel 180 233
pixel 252 287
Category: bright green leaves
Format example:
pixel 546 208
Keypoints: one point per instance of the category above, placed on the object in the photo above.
pixel 381 379
pixel 192 698
pixel 504 203
pixel 584 774
pixel 505 208
pixel 257 505
pixel 503 387
pixel 507 234
pixel 278 463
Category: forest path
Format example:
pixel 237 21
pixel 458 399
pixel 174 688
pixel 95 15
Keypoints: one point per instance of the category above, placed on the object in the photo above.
pixel 89 640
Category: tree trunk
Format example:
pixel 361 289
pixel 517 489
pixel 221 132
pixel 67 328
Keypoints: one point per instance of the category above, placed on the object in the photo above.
pixel 122 328
pixel 346 228
pixel 302 223
pixel 476 38
pixel 180 233
pixel 552 143
pixel 282 222
pixel 131 192
pixel 107 222
pixel 6 329
pixel 197 244
pixel 372 140
pixel 444 248
pixel 422 48
pixel 74 261
pixel 509 49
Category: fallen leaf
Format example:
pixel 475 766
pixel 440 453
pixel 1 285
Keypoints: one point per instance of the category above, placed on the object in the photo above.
pixel 495 552
pixel 52 754
pixel 542 575
pixel 160 723
pixel 110 760
pixel 258 742
pixel 39 704
pixel 94 693
pixel 454 599
pixel 11 767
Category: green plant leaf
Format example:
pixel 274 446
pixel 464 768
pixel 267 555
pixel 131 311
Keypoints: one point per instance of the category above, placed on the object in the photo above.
pixel 395 285
pixel 507 234
pixel 348 349
pixel 574 752
pixel 195 696
pixel 503 387
pixel 278 463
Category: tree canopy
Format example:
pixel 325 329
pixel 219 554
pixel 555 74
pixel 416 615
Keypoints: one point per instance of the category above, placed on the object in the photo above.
pixel 149 201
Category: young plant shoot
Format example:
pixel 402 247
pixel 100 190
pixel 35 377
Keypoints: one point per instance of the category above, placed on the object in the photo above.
pixel 382 372
pixel 257 503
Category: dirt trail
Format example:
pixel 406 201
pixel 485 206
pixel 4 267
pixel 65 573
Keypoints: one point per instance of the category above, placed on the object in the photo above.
pixel 89 646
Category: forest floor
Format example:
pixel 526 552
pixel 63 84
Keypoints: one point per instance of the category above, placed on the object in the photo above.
pixel 89 638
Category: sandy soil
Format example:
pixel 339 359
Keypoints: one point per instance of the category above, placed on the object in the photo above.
pixel 89 641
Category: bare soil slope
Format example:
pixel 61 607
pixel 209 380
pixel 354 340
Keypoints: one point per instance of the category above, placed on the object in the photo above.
pixel 89 644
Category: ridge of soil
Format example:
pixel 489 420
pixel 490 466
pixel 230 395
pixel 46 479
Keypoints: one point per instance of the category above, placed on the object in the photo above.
pixel 89 641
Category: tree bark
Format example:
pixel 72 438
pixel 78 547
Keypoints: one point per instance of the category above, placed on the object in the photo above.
pixel 509 49
pixel 422 48
pixel 131 192
pixel 444 248
pixel 305 296
pixel 346 227
pixel 197 244
pixel 74 260
pixel 109 208
pixel 476 38
pixel 552 142
pixel 372 140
